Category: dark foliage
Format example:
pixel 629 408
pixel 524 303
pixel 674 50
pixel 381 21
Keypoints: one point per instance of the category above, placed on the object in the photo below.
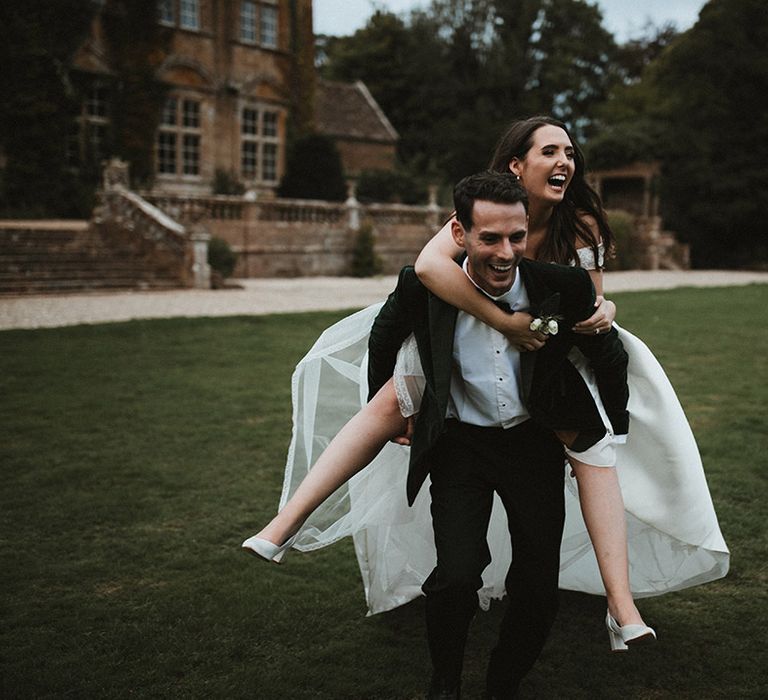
pixel 137 45
pixel 221 257
pixel 390 186
pixel 365 262
pixel 714 84
pixel 314 170
pixel 226 182
pixel 38 108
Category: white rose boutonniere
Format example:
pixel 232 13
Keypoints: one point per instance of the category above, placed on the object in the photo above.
pixel 546 320
pixel 546 324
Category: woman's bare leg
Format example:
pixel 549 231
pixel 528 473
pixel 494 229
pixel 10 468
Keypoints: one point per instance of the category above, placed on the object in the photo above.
pixel 603 509
pixel 351 449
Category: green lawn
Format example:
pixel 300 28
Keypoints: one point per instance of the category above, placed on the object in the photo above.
pixel 135 458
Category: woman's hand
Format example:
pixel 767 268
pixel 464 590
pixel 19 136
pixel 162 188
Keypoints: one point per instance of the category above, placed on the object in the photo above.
pixel 600 321
pixel 518 332
pixel 407 436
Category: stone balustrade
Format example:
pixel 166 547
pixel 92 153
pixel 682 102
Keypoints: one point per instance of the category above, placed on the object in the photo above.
pixel 132 223
pixel 299 237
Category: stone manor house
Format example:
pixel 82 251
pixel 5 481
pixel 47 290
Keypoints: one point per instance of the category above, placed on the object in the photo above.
pixel 236 72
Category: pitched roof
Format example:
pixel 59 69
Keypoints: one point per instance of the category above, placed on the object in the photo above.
pixel 348 110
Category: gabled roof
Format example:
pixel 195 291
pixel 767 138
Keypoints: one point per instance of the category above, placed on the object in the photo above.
pixel 348 110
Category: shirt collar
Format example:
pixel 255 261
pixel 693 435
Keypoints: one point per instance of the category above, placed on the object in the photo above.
pixel 510 296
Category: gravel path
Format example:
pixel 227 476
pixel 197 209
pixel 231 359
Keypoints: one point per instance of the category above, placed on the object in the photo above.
pixel 268 296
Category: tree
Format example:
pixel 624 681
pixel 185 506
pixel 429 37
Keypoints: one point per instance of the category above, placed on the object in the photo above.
pixel 630 124
pixel 137 45
pixel 39 105
pixel 452 76
pixel 635 55
pixel 570 64
pixel 713 84
pixel 314 170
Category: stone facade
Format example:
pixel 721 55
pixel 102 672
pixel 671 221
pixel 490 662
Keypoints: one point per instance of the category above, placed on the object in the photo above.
pixel 233 73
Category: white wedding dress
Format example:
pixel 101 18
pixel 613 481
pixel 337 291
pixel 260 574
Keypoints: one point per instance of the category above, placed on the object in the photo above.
pixel 674 539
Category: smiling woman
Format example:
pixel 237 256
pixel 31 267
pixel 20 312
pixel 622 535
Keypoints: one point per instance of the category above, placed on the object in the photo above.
pixel 548 166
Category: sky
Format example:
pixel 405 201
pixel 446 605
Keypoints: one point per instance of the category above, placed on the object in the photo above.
pixel 624 18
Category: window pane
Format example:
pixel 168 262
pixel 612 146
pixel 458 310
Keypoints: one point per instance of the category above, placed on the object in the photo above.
pixel 189 14
pixel 249 157
pixel 269 162
pixel 169 112
pixel 191 114
pixel 191 155
pixel 269 26
pixel 166 152
pixel 74 156
pixel 248 21
pixel 270 124
pixel 165 11
pixel 250 123
pixel 96 102
pixel 96 136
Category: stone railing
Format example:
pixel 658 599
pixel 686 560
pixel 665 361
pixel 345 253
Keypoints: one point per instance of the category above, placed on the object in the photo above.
pixel 131 221
pixel 122 206
pixel 190 208
pixel 299 237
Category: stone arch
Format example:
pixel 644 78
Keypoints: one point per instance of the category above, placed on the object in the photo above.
pixel 185 72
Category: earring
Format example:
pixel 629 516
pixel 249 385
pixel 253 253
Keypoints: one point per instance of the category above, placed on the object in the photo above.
pixel 517 177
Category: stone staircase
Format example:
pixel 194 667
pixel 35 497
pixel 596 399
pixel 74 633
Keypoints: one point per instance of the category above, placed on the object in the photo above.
pixel 46 257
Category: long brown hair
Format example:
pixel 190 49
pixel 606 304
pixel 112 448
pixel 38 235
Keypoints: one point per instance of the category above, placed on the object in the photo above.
pixel 580 200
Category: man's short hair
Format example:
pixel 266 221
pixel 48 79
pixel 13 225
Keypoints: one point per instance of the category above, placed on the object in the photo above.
pixel 488 186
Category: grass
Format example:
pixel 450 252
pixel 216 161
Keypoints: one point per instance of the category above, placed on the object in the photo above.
pixel 137 456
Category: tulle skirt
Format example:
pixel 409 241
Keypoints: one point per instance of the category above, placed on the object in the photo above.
pixel 674 539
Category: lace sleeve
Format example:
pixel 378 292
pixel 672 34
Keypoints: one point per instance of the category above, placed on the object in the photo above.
pixel 587 257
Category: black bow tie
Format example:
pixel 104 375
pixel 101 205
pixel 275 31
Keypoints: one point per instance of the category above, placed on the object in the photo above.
pixel 503 305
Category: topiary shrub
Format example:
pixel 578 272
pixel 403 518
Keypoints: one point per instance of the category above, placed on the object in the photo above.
pixel 226 182
pixel 390 186
pixel 221 258
pixel 628 253
pixel 365 262
pixel 314 170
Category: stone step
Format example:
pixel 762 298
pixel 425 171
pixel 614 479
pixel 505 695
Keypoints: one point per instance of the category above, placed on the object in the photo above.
pixel 16 287
pixel 8 262
pixel 88 258
pixel 39 257
pixel 55 244
pixel 52 275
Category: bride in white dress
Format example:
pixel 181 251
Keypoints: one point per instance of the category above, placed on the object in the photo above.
pixel 672 539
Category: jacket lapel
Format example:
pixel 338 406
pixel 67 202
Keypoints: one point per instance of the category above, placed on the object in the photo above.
pixel 442 325
pixel 537 291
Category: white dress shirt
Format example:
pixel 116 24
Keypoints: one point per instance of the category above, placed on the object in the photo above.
pixel 485 381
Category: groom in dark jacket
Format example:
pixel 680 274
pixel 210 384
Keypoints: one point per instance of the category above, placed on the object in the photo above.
pixel 486 425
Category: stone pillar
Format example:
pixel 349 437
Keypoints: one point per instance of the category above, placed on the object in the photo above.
pixel 433 210
pixel 353 206
pixel 201 270
pixel 115 174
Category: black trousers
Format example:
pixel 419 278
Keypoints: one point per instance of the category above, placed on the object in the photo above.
pixel 524 464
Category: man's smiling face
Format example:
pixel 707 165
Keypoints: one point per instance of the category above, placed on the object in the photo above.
pixel 494 245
